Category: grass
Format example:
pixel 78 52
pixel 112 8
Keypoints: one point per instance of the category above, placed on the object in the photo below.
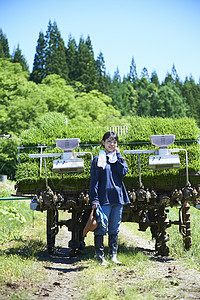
pixel 131 280
pixel 21 246
pixel 20 258
pixel 20 264
pixel 137 277
pixel 192 256
pixel 175 244
pixel 23 251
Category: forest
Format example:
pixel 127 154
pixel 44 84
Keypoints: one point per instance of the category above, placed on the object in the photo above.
pixel 69 80
pixel 69 87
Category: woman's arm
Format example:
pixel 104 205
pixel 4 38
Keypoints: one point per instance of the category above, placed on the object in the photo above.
pixel 121 165
pixel 94 183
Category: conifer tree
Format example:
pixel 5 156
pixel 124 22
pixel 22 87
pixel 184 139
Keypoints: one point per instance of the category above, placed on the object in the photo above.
pixel 145 73
pixel 144 101
pixel 55 54
pixel 115 91
pixel 175 77
pixel 108 84
pixel 132 76
pixel 4 48
pixel 168 79
pixel 169 103
pixel 38 72
pixel 154 79
pixel 72 58
pixel 191 92
pixel 101 73
pixel 86 64
pixel 19 58
pixel 50 57
pixel 82 58
pixel 117 78
pixel 129 98
pixel 174 74
pixel 92 64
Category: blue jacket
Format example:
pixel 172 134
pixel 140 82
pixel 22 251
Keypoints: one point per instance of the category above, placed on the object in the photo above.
pixel 106 186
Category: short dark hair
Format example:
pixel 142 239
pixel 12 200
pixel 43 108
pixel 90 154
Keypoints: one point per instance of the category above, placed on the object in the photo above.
pixel 111 134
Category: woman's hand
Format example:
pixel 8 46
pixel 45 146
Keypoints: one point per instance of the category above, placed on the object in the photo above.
pixel 94 206
pixel 117 149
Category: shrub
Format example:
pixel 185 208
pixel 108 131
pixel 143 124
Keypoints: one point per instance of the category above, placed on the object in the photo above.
pixel 138 137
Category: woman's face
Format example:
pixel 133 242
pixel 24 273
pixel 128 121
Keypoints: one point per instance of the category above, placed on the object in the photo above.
pixel 110 145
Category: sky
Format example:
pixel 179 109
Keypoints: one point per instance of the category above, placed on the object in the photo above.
pixel 156 33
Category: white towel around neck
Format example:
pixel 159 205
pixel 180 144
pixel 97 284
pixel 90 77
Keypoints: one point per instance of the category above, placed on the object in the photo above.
pixel 112 157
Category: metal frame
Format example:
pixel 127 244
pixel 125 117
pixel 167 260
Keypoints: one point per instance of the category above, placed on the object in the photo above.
pixel 154 151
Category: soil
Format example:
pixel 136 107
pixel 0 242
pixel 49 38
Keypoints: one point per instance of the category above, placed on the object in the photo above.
pixel 62 273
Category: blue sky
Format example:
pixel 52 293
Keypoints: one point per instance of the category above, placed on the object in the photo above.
pixel 156 33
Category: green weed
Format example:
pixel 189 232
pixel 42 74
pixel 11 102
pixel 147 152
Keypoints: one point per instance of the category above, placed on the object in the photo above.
pixel 22 246
pixel 191 257
pixel 133 279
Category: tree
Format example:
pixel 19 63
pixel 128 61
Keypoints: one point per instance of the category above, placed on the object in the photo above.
pixel 19 58
pixel 93 109
pixel 129 99
pixel 115 92
pixel 146 91
pixel 8 156
pixel 191 92
pixel 175 77
pixel 38 72
pixel 55 52
pixel 174 74
pixel 117 78
pixel 72 59
pixel 4 48
pixel 24 110
pixel 168 79
pixel 124 96
pixel 145 73
pixel 132 76
pixel 11 77
pixel 50 57
pixel 91 67
pixel 169 103
pixel 154 79
pixel 20 99
pixel 57 94
pixel 86 64
pixel 101 73
pixel 3 118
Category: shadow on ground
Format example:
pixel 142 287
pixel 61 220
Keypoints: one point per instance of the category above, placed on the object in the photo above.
pixel 34 248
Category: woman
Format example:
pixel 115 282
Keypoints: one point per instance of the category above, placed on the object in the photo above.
pixel 108 191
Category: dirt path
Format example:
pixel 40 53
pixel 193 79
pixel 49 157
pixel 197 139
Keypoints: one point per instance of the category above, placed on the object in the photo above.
pixel 186 281
pixel 62 272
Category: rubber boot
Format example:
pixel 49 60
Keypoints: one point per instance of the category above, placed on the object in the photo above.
pixel 113 246
pixel 99 249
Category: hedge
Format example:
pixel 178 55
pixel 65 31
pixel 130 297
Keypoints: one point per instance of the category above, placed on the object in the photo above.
pixel 138 137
